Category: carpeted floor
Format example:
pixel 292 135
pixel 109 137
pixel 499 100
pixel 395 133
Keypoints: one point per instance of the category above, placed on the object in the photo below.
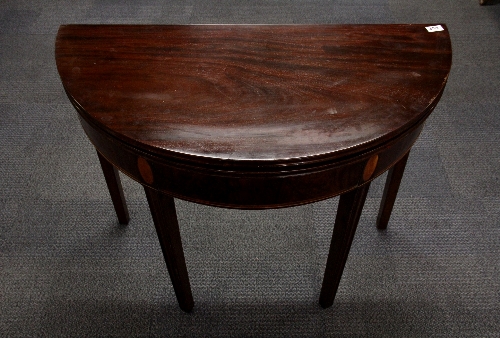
pixel 68 269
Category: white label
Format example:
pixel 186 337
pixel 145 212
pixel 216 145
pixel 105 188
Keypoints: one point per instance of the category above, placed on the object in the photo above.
pixel 437 28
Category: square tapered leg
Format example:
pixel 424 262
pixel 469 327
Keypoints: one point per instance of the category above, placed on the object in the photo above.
pixel 165 219
pixel 348 213
pixel 394 177
pixel 114 184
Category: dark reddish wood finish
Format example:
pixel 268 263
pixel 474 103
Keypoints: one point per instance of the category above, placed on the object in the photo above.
pixel 114 184
pixel 349 211
pixel 394 177
pixel 253 117
pixel 165 219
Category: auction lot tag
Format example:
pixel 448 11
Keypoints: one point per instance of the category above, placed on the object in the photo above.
pixel 437 28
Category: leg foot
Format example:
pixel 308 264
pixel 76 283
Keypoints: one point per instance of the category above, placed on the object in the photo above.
pixel 392 183
pixel 115 189
pixel 165 219
pixel 348 213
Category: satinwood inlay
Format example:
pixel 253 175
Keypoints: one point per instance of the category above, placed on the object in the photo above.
pixel 145 170
pixel 370 167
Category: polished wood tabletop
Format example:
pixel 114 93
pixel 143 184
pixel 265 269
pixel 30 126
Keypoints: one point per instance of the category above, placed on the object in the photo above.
pixel 240 93
pixel 253 116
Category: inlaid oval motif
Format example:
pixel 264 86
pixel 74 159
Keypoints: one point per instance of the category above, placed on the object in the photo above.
pixel 370 167
pixel 145 170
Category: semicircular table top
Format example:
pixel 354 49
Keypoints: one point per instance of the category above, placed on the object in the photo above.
pixel 230 94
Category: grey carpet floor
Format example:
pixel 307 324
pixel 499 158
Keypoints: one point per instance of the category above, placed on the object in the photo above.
pixel 68 269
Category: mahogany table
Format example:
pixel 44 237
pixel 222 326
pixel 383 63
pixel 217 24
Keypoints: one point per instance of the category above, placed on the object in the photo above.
pixel 253 117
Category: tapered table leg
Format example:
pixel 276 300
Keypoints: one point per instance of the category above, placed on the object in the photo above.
pixel 165 219
pixel 348 213
pixel 392 183
pixel 112 178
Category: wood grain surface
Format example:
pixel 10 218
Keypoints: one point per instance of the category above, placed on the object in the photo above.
pixel 256 95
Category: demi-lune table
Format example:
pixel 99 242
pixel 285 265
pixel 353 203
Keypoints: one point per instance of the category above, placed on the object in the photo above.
pixel 253 117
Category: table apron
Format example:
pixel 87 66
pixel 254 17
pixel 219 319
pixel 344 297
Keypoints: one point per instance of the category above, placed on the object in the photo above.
pixel 245 189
